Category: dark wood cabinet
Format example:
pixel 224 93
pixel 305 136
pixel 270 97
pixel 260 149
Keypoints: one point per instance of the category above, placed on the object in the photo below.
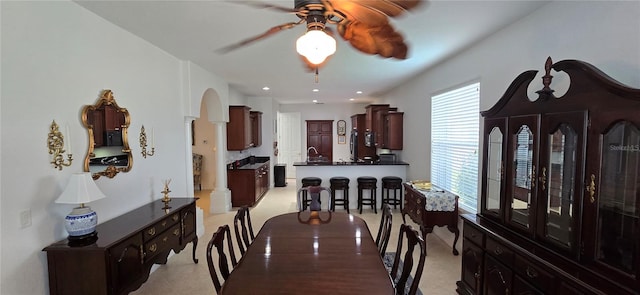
pixel 320 136
pixel 393 131
pixel 239 136
pixel 256 128
pixel 560 197
pixel 248 184
pixel 127 246
pixel 375 117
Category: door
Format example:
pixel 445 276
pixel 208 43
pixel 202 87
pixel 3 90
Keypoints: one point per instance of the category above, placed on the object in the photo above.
pixel 320 136
pixel 288 134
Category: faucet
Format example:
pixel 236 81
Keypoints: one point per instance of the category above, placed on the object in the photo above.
pixel 309 149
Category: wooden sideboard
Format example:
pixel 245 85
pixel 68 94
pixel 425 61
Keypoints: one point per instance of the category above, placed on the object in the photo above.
pixel 127 246
pixel 414 206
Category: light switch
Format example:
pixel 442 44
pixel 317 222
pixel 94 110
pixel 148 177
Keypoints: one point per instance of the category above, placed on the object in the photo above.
pixel 25 218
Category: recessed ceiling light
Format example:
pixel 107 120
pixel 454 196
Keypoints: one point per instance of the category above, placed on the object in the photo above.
pixel 316 90
pixel 352 99
pixel 315 100
pixel 359 92
pixel 265 88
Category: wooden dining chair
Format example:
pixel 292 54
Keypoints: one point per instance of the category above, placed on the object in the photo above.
pixel 314 193
pixel 243 229
pixel 405 265
pixel 217 240
pixel 384 231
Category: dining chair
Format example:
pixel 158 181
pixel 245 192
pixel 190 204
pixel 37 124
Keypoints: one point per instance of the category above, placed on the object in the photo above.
pixel 413 238
pixel 314 194
pixel 217 240
pixel 243 229
pixel 384 231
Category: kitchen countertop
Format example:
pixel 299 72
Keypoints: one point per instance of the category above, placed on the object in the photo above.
pixel 349 163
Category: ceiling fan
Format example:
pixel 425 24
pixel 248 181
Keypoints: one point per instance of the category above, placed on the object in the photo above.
pixel 362 23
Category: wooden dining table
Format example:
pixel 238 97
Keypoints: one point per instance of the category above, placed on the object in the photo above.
pixel 311 253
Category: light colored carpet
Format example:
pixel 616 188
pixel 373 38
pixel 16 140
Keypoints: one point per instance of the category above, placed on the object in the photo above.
pixel 181 276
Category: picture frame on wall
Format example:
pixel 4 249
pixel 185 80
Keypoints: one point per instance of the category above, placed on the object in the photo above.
pixel 342 139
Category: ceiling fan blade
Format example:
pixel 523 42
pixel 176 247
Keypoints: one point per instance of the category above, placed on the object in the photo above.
pixel 380 40
pixel 268 33
pixel 265 5
pixel 356 12
pixel 387 7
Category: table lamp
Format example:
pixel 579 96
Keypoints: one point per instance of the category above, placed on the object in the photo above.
pixel 81 222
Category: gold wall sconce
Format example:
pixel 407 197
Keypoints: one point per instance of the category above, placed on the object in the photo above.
pixel 143 143
pixel 56 145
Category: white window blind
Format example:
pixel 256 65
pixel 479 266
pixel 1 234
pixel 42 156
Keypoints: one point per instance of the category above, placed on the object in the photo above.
pixel 454 143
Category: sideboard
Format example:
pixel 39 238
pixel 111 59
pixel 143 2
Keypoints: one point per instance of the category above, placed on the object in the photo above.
pixel 127 246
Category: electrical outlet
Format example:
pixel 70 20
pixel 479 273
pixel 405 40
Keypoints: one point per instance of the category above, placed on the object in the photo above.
pixel 25 218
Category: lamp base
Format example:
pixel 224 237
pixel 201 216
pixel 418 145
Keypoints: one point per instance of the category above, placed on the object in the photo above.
pixel 81 221
pixel 84 240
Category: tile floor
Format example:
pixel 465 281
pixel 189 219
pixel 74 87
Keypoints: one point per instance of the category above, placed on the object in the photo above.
pixel 181 276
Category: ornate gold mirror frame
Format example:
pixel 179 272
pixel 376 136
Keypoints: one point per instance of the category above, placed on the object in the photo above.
pixel 107 126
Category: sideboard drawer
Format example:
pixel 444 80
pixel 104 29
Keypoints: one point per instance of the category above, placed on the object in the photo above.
pixel 163 242
pixel 473 234
pixel 534 274
pixel 504 254
pixel 159 227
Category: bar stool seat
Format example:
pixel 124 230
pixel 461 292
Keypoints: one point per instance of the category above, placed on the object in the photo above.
pixel 393 183
pixel 339 183
pixel 367 183
pixel 309 181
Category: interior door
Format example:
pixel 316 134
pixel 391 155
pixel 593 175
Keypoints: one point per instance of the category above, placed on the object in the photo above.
pixel 289 139
pixel 320 136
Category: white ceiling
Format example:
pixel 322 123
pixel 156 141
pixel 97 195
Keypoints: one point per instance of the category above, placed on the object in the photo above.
pixel 193 30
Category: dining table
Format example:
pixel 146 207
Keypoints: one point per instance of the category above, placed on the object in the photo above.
pixel 311 252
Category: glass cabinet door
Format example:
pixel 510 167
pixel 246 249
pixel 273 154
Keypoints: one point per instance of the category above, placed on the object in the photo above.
pixel 559 178
pixel 618 198
pixel 493 188
pixel 522 177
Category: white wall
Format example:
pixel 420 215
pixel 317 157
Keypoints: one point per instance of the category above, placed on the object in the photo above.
pixel 605 34
pixel 56 57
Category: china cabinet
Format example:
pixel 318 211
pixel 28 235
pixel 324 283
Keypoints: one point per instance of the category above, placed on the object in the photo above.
pixel 560 197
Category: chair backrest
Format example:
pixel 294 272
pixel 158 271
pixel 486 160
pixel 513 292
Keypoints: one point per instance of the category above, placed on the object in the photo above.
pixel 243 229
pixel 384 231
pixel 197 164
pixel 413 238
pixel 217 240
pixel 314 195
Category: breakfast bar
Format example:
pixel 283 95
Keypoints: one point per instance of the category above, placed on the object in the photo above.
pixel 351 170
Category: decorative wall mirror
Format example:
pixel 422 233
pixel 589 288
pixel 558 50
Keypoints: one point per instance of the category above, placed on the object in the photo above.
pixel 107 125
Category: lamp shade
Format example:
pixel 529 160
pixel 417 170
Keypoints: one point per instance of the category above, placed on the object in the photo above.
pixel 81 189
pixel 316 46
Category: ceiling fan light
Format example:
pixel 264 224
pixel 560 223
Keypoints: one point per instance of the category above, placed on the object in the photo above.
pixel 316 46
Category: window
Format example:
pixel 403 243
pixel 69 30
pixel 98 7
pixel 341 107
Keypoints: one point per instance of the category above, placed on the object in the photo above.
pixel 454 143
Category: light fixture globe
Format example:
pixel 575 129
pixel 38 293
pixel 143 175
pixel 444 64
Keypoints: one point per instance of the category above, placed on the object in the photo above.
pixel 316 46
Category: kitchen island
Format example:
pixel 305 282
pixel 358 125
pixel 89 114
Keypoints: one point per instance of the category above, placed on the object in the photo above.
pixel 351 170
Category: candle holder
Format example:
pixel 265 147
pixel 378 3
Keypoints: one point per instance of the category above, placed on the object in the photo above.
pixel 55 142
pixel 143 143
pixel 166 199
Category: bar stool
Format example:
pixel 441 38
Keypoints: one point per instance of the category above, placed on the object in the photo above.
pixel 309 181
pixel 367 183
pixel 392 183
pixel 339 183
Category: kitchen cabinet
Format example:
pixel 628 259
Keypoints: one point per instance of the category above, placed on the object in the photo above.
pixel 239 136
pixel 256 128
pixel 248 183
pixel 120 260
pixel 375 117
pixel 392 131
pixel 560 189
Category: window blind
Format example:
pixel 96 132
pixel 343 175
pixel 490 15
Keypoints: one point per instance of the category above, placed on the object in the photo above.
pixel 454 143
